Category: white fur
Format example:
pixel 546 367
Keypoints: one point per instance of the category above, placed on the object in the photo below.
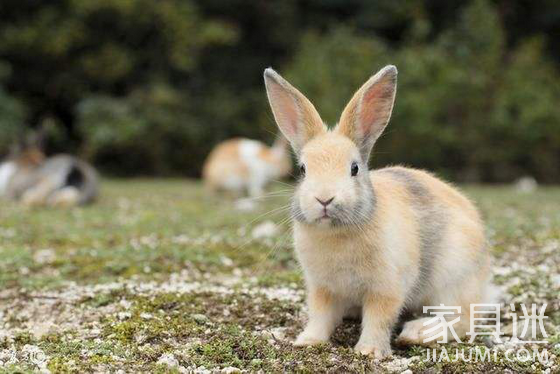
pixel 234 182
pixel 67 196
pixel 7 170
pixel 260 172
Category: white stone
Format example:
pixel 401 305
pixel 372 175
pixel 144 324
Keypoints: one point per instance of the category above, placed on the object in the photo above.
pixel 230 370
pixel 245 205
pixel 168 359
pixel 266 229
pixel 526 184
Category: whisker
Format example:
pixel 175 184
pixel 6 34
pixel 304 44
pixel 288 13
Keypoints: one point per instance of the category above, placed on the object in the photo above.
pixel 281 209
pixel 284 183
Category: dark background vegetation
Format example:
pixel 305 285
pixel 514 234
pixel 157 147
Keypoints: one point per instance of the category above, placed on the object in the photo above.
pixel 143 87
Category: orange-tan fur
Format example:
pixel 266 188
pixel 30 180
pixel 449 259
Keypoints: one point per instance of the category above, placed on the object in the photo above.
pixel 245 166
pixel 387 241
pixel 223 160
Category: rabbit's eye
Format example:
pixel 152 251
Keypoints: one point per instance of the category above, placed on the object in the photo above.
pixel 354 169
pixel 302 169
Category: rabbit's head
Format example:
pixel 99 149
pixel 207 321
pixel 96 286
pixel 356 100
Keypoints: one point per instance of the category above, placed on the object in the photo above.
pixel 335 189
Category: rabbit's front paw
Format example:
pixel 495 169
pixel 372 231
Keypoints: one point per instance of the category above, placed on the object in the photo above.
pixel 374 350
pixel 305 339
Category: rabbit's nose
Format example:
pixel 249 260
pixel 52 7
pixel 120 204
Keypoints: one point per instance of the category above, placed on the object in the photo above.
pixel 325 202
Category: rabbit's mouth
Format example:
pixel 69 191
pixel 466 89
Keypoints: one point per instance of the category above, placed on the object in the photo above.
pixel 324 218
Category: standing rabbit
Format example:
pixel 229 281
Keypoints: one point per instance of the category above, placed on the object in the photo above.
pixel 246 166
pixel 383 242
pixel 62 180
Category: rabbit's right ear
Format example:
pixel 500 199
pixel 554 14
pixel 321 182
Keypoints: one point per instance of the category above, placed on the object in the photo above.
pixel 296 117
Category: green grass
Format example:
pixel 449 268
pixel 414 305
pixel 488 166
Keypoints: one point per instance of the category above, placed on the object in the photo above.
pixel 158 268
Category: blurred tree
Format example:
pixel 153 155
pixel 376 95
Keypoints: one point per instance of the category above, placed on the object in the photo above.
pixel 12 115
pixel 149 131
pixel 465 106
pixel 526 122
pixel 63 50
pixel 149 87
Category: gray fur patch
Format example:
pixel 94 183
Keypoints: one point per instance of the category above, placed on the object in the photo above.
pixel 364 208
pixel 432 220
pixel 297 214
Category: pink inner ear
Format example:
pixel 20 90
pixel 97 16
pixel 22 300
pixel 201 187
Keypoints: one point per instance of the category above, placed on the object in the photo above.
pixel 285 110
pixel 372 107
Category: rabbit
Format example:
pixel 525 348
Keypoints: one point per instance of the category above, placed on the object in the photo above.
pixel 383 242
pixel 62 180
pixel 243 165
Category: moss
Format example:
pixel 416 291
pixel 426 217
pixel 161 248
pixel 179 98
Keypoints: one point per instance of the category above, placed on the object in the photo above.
pixel 23 338
pixel 272 279
pixel 161 228
pixel 19 369
pixel 231 347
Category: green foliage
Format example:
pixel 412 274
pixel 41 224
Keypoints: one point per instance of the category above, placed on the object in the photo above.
pixel 12 116
pixel 465 105
pixel 328 69
pixel 149 87
pixel 11 120
pixel 527 117
pixel 145 132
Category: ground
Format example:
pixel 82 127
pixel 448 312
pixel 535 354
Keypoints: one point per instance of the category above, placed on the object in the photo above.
pixel 159 277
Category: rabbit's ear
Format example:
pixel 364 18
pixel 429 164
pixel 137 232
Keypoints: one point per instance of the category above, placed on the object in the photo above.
pixel 367 114
pixel 296 117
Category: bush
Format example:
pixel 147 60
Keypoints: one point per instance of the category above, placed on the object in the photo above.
pixel 12 116
pixel 147 132
pixel 465 106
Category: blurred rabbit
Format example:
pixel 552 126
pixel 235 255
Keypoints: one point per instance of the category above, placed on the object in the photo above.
pixel 246 166
pixel 384 242
pixel 62 180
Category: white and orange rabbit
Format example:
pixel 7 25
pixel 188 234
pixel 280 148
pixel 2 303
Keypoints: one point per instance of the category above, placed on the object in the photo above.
pixel 382 242
pixel 243 165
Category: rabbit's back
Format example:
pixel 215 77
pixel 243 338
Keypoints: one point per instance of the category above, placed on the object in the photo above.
pixel 448 242
pixel 224 168
pixel 58 180
pixel 69 172
pixel 240 164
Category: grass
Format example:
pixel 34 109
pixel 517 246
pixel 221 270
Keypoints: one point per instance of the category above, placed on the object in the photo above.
pixel 159 277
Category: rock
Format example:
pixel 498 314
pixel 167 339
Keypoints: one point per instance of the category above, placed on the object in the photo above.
pixel 400 365
pixel 226 261
pixel 44 256
pixel 275 334
pixel 230 370
pixel 526 184
pixel 124 315
pixel 168 359
pixel 41 329
pixel 245 205
pixel 266 229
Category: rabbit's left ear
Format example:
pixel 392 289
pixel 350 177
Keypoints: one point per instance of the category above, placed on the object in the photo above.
pixel 366 115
